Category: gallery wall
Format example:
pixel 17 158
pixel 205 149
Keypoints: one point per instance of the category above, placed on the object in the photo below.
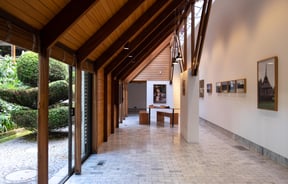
pixel 239 34
pixel 150 95
pixel 137 95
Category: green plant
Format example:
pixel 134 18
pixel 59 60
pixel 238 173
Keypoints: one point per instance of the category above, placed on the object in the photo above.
pixel 58 118
pixel 6 124
pixel 58 91
pixel 8 73
pixel 27 69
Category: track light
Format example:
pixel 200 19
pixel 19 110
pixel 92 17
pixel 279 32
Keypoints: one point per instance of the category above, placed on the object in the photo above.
pixel 126 46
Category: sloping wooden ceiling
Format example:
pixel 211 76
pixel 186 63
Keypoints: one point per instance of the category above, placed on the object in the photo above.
pixel 92 32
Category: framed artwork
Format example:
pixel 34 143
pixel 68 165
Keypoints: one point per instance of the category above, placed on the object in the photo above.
pixel 225 87
pixel 267 83
pixel 209 88
pixel 201 88
pixel 241 85
pixel 232 86
pixel 218 87
pixel 159 93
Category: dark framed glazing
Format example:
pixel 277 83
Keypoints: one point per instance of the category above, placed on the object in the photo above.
pixel 241 85
pixel 209 88
pixel 218 87
pixel 232 86
pixel 201 88
pixel 225 87
pixel 159 93
pixel 183 87
pixel 267 84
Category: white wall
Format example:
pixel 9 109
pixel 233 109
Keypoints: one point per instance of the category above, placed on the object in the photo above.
pixel 169 95
pixel 137 95
pixel 239 34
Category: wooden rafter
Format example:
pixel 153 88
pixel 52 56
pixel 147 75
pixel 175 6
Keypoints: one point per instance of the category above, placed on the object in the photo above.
pixel 128 33
pixel 63 20
pixel 148 59
pixel 149 30
pixel 146 52
pixel 89 46
pixel 165 28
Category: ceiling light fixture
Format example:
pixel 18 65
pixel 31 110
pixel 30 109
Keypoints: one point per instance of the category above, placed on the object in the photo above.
pixel 126 46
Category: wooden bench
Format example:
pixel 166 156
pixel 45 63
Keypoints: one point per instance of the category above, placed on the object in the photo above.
pixel 162 115
pixel 143 117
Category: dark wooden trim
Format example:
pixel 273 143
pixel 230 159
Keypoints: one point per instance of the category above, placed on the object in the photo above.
pixel 149 30
pixel 105 108
pixel 112 104
pixel 192 36
pixel 19 23
pixel 78 102
pixel 201 35
pixel 185 45
pixel 94 116
pixel 110 26
pixel 66 18
pixel 146 52
pixel 116 101
pixel 148 42
pixel 129 33
pixel 42 136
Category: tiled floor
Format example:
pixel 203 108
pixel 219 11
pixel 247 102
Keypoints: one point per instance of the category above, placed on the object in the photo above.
pixel 151 154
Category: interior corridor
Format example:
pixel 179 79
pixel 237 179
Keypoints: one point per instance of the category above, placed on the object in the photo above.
pixel 155 154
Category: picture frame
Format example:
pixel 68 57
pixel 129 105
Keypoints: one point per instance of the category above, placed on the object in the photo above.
pixel 267 84
pixel 232 86
pixel 201 88
pixel 159 93
pixel 225 86
pixel 218 87
pixel 241 85
pixel 209 88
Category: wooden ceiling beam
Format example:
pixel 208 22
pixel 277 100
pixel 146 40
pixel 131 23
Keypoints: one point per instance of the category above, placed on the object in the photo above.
pixel 157 40
pixel 153 41
pixel 101 60
pixel 65 19
pixel 117 19
pixel 149 30
pixel 148 59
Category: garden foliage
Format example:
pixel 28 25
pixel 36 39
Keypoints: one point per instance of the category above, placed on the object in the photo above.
pixel 12 78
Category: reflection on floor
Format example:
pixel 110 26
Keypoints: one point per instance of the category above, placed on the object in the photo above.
pixel 152 154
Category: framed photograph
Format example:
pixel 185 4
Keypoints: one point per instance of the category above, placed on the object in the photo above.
pixel 232 86
pixel 159 93
pixel 209 88
pixel 241 85
pixel 218 87
pixel 201 88
pixel 267 77
pixel 225 86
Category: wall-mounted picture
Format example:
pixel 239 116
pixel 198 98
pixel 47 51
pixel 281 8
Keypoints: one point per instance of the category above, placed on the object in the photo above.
pixel 218 87
pixel 232 86
pixel 225 87
pixel 159 93
pixel 209 88
pixel 267 74
pixel 201 88
pixel 241 85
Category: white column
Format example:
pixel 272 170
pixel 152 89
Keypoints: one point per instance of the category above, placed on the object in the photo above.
pixel 189 127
